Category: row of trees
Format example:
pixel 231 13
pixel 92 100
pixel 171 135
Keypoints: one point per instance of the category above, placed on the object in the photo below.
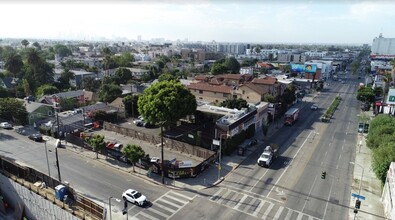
pixel 381 140
pixel 131 151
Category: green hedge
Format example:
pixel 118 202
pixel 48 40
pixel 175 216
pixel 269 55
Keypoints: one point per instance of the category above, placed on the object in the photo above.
pixel 331 110
pixel 232 143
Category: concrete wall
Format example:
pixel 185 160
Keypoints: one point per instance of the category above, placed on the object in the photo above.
pixel 33 206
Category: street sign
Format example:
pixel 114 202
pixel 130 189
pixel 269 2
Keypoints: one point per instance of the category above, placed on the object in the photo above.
pixel 358 196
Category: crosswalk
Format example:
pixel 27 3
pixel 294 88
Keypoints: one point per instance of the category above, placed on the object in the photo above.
pixel 256 207
pixel 165 206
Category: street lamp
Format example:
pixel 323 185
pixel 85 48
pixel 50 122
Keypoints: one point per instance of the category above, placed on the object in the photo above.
pixel 109 202
pixel 360 185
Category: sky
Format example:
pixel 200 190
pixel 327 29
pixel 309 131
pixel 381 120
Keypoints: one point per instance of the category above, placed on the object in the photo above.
pixel 253 21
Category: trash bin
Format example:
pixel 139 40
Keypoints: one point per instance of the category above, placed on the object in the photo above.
pixel 60 192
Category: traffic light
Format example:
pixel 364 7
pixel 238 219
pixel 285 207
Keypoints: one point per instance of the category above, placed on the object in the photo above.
pixel 358 204
pixel 355 211
pixel 323 174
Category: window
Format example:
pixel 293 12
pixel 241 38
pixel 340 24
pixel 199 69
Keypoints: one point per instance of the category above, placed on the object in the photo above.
pixel 244 92
pixel 200 92
pixel 248 97
pixel 49 113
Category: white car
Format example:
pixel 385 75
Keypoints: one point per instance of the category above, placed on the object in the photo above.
pixel 139 121
pixel 134 197
pixel 314 107
pixel 5 125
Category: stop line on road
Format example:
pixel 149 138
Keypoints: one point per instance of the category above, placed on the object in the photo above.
pixel 256 207
pixel 165 206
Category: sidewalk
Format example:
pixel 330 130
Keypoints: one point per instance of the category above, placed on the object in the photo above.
pixel 370 188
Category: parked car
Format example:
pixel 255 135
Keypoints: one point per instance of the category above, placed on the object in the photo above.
pixel 241 151
pixel 5 125
pixel 139 121
pixel 252 142
pixel 314 107
pixel 36 137
pixel 134 197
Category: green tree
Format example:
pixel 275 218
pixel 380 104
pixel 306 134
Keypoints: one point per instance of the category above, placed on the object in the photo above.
pixel 288 96
pixel 381 130
pixel 25 43
pixel 64 80
pixel 269 98
pixel 62 50
pixel 46 89
pixel 13 110
pixel 235 103
pixel 91 84
pixel 218 68
pixel 124 75
pixel 130 103
pixel 133 153
pixel 232 65
pixel 381 160
pixel 97 143
pixel 14 63
pixel 166 102
pixel 68 103
pixel 166 77
pixel 124 60
pixel 366 94
pixel 26 87
pixel 109 92
pixel 37 45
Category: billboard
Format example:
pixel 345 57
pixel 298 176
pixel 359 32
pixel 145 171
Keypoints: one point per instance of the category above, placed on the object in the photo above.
pixel 310 68
pixel 297 68
pixel 391 97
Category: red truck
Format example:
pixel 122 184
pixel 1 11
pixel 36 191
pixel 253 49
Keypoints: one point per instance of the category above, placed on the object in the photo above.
pixel 291 116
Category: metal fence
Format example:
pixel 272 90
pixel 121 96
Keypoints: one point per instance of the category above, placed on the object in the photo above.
pixel 10 169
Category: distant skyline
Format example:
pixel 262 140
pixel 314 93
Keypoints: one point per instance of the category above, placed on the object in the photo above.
pixel 297 21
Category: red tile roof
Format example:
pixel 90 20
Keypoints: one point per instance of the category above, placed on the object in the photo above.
pixel 266 81
pixel 231 76
pixel 210 88
pixel 264 65
pixel 259 89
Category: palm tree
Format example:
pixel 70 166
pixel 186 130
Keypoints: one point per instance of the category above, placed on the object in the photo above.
pixel 14 63
pixel 24 42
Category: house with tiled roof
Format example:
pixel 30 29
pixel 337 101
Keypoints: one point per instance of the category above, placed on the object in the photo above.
pixel 8 82
pixel 264 65
pixel 211 93
pixel 271 84
pixel 251 92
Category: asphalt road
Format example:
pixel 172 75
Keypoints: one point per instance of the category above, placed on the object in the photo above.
pixel 292 188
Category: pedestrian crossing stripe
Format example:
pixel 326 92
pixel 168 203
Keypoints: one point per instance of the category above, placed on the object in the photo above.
pixel 159 207
pixel 255 205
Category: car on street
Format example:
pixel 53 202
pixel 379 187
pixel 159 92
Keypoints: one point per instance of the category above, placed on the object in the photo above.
pixel 5 125
pixel 314 107
pixel 36 137
pixel 135 197
pixel 252 142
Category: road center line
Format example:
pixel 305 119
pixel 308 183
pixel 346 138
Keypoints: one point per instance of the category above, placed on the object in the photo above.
pixel 285 170
pixel 327 202
pixel 315 179
pixel 258 180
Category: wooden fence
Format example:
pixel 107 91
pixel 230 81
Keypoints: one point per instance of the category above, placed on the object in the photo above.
pixel 156 140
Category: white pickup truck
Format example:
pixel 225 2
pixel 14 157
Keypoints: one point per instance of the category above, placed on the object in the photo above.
pixel 269 154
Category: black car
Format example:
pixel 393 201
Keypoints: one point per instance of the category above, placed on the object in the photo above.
pixel 241 151
pixel 252 143
pixel 36 137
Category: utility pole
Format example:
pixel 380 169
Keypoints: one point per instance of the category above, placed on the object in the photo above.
pixel 162 157
pixel 57 163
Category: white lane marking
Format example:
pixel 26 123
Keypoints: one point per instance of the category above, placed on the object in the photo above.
pixel 311 189
pixel 147 215
pixel 285 170
pixel 267 211
pixel 258 208
pixel 327 202
pixel 158 212
pixel 216 194
pixel 181 195
pixel 224 196
pixel 240 202
pixel 258 180
pixel 289 214
pixel 250 204
pixel 164 207
pixel 300 216
pixel 170 203
pixel 278 213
